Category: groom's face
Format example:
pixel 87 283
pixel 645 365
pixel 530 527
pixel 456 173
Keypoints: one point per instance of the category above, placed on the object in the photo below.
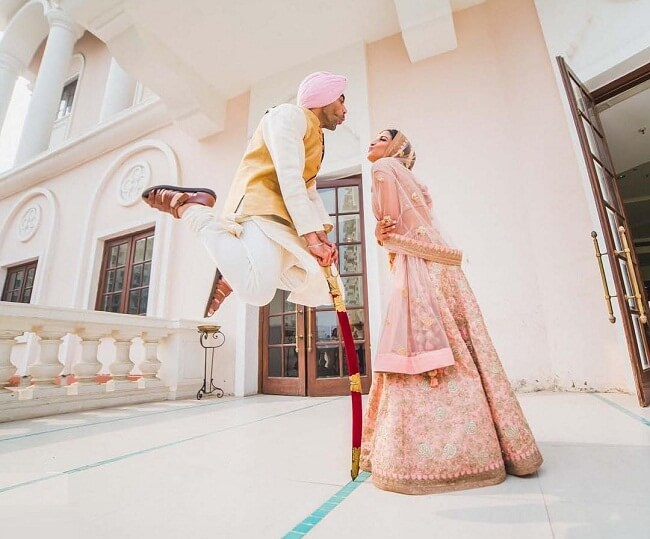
pixel 333 114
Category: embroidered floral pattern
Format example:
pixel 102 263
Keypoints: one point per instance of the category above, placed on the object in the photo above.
pixel 471 422
pixel 425 451
pixel 449 451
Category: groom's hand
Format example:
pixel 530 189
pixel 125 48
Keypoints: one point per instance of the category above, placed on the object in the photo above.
pixel 320 250
pixel 322 237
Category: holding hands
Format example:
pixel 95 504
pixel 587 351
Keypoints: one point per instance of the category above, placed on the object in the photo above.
pixel 321 248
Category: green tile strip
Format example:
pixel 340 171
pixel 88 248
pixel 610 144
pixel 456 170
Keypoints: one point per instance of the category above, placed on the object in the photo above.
pixel 620 408
pixel 306 525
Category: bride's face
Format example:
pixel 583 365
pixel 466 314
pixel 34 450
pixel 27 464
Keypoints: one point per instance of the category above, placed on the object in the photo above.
pixel 377 147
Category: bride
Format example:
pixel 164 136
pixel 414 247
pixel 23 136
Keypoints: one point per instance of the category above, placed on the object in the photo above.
pixel 441 414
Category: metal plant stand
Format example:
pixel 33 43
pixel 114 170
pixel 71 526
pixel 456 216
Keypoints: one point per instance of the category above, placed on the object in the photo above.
pixel 210 339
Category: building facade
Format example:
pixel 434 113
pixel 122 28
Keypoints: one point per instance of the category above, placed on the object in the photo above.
pixel 128 94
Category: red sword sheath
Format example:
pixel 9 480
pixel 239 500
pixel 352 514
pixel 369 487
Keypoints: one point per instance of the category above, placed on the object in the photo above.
pixel 353 366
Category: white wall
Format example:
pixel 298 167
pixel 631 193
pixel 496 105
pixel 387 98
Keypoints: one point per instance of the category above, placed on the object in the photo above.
pixel 495 149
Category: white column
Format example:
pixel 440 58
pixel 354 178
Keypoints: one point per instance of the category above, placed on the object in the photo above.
pixel 119 92
pixel 46 96
pixel 10 68
pixel 246 350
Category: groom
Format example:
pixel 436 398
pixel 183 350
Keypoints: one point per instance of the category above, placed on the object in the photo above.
pixel 273 231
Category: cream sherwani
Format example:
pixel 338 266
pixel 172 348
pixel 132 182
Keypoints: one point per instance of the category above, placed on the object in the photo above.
pixel 272 201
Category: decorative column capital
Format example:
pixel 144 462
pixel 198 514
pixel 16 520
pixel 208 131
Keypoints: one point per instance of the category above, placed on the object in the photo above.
pixel 11 64
pixel 57 17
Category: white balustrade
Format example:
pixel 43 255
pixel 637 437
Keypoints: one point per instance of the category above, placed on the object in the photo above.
pixel 47 367
pixel 171 359
pixel 122 365
pixel 151 364
pixel 7 368
pixel 88 366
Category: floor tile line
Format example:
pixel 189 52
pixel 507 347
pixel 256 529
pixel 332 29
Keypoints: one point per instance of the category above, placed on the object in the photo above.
pixel 51 475
pixel 114 420
pixel 125 456
pixel 620 408
pixel 314 518
pixel 548 514
pixel 125 418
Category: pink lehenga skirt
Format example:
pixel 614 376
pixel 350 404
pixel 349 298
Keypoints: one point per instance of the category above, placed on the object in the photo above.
pixel 466 432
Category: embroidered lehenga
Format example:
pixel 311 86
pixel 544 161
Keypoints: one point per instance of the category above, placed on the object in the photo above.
pixel 441 414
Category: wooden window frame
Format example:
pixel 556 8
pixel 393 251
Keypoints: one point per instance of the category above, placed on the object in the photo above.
pixel 26 266
pixel 128 265
pixel 351 181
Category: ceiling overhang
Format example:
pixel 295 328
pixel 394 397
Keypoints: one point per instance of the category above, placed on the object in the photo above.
pixel 198 54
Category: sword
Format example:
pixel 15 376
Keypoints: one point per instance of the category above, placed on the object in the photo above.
pixel 331 274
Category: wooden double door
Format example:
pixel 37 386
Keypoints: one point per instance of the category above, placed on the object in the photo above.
pixel 300 349
pixel 620 248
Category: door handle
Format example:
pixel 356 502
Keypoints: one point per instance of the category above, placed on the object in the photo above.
pixel 298 337
pixel 310 335
pixel 632 275
pixel 608 296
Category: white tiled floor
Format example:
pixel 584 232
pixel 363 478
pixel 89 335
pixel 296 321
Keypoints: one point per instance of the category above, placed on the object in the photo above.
pixel 257 467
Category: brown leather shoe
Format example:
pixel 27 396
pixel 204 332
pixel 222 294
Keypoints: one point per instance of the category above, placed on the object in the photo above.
pixel 220 291
pixel 169 198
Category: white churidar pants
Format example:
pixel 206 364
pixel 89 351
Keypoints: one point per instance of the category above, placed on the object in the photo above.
pixel 259 256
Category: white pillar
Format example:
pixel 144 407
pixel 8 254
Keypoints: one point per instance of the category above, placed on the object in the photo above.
pixel 246 350
pixel 10 68
pixel 46 96
pixel 119 92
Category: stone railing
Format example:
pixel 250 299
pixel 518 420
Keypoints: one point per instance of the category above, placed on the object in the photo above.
pixel 55 360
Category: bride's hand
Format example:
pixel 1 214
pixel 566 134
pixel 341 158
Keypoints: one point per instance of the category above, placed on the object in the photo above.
pixel 384 228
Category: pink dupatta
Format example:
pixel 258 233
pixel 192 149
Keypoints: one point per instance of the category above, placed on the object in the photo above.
pixel 413 339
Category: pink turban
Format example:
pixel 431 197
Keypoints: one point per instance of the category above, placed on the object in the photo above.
pixel 320 89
